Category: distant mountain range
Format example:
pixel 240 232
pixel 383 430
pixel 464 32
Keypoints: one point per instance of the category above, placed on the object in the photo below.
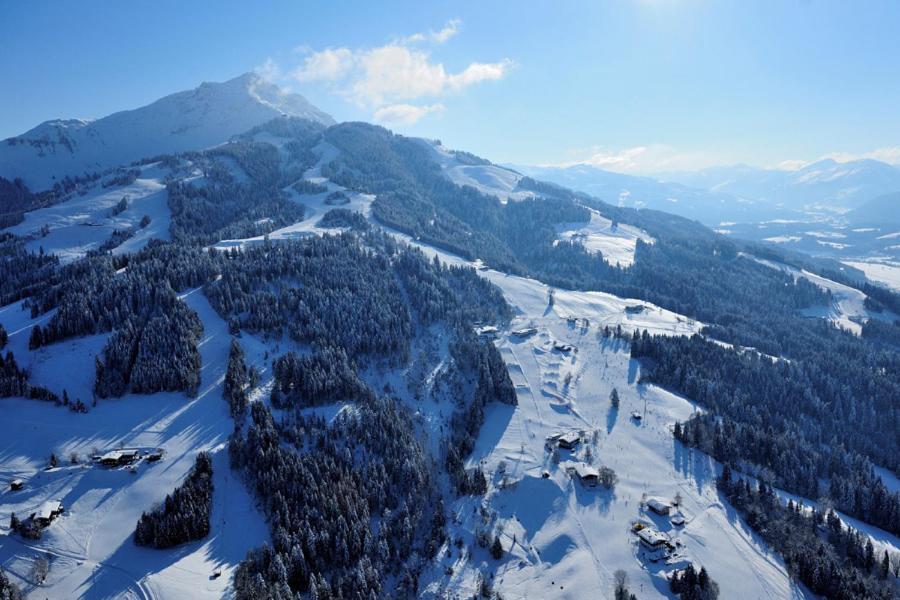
pixel 827 183
pixel 707 206
pixel 205 116
pixel 742 193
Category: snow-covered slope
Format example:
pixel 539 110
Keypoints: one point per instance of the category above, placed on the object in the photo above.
pixel 566 541
pixel 883 272
pixel 84 222
pixel 90 548
pixel 615 243
pixel 189 120
pixel 487 178
pixel 848 309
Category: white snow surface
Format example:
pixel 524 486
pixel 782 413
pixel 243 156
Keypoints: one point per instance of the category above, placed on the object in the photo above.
pixel 885 273
pixel 191 120
pixel 83 223
pixel 90 546
pixel 569 539
pixel 488 179
pixel 616 244
pixel 848 309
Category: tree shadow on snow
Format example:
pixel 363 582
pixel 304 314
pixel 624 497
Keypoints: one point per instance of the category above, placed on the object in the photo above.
pixel 598 498
pixel 611 416
pixel 634 366
pixel 531 502
pixel 694 465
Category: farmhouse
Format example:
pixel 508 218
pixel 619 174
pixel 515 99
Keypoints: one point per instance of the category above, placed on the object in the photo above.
pixel 118 457
pixel 658 506
pixel 525 332
pixel 677 520
pixel 155 455
pixel 634 309
pixel 588 475
pixel 488 331
pixel 569 440
pixel 16 484
pixel 47 512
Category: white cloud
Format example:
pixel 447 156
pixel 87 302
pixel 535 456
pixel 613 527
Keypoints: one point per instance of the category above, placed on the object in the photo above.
pixel 395 73
pixel 442 35
pixel 393 80
pixel 404 114
pixel 652 158
pixel 269 70
pixel 330 64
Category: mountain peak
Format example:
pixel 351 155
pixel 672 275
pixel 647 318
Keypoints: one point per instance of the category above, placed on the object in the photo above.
pixel 194 119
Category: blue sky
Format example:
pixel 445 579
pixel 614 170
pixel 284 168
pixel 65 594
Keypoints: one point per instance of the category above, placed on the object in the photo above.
pixel 630 85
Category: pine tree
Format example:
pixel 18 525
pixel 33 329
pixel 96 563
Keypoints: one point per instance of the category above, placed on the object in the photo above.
pixel 37 338
pixel 497 548
pixel 614 399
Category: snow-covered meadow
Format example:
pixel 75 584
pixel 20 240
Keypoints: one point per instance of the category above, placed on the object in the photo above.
pixel 90 546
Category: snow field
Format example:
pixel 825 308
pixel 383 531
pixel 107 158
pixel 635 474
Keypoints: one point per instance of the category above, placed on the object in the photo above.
pixel 848 307
pixel 616 244
pixel 84 222
pixel 93 553
pixel 885 273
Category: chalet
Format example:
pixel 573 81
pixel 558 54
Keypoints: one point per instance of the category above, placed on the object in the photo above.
pixel 155 455
pixel 525 332
pixel 655 542
pixel 634 309
pixel 587 475
pixel 652 539
pixel 658 506
pixel 677 520
pixel 561 347
pixel 47 512
pixel 569 440
pixel 488 331
pixel 118 457
pixel 637 416
pixel 16 485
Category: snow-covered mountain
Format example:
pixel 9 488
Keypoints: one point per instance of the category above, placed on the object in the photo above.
pixel 205 116
pixel 839 185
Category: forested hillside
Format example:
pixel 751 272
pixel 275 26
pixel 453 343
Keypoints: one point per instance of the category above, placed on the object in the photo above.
pixel 368 367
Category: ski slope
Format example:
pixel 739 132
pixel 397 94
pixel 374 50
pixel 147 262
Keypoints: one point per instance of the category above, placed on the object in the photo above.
pixel 90 546
pixel 615 243
pixel 563 540
pixel 83 223
pixel 488 179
